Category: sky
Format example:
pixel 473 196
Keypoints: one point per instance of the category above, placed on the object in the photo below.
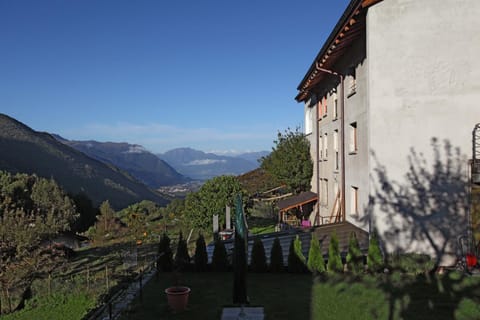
pixel 214 75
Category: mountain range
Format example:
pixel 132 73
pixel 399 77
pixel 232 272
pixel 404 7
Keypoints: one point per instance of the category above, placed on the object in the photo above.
pixel 133 158
pixel 28 151
pixel 199 165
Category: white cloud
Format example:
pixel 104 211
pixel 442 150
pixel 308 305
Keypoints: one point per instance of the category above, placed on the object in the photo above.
pixel 204 162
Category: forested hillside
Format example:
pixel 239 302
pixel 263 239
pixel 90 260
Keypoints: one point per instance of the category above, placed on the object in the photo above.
pixel 27 151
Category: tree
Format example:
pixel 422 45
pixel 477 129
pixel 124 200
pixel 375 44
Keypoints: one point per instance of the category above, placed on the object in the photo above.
pixel 258 260
pixel 32 211
pixel 374 257
pixel 219 257
pixel 211 199
pixel 315 264
pixel 106 223
pixel 354 256
pixel 182 259
pixel 290 161
pixel 201 255
pixel 165 254
pixel 296 259
pixel 86 210
pixel 334 259
pixel 276 257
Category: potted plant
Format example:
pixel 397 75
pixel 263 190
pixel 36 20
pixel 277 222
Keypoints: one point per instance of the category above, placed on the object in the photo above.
pixel 177 295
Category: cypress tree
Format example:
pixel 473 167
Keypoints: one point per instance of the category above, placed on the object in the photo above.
pixel 219 257
pixel 354 255
pixel 201 255
pixel 276 257
pixel 165 254
pixel 374 258
pixel 182 259
pixel 315 264
pixel 296 259
pixel 258 260
pixel 334 259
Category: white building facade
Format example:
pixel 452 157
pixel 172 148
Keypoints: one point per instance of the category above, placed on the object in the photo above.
pixel 390 104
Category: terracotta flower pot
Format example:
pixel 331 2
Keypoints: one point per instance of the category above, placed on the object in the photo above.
pixel 177 297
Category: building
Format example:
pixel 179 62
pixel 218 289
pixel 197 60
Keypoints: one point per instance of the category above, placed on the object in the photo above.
pixel 390 103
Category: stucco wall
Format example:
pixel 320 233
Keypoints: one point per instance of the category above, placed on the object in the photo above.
pixel 424 83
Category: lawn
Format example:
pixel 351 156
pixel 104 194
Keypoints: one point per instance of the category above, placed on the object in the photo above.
pixel 301 296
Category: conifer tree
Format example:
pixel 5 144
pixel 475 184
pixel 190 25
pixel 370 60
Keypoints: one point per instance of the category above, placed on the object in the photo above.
pixel 219 257
pixel 315 264
pixel 276 257
pixel 165 254
pixel 296 260
pixel 182 259
pixel 374 258
pixel 354 255
pixel 334 259
pixel 258 260
pixel 201 256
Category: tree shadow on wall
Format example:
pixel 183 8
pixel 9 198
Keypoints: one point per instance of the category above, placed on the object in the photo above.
pixel 429 207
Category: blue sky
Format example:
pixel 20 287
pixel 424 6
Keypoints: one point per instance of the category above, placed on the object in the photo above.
pixel 212 75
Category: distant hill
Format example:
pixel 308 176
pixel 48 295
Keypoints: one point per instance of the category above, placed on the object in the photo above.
pixel 253 157
pixel 203 166
pixel 32 152
pixel 133 158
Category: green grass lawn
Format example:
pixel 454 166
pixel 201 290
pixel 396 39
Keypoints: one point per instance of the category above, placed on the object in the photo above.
pixel 301 296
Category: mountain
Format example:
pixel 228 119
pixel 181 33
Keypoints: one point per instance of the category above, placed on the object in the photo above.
pixel 253 156
pixel 133 158
pixel 32 152
pixel 203 166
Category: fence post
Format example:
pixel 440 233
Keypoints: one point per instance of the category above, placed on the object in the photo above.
pixel 141 287
pixel 106 277
pixel 49 284
pixel 88 278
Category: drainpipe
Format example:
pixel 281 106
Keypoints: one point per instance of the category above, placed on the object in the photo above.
pixel 343 146
pixel 342 110
pixel 317 160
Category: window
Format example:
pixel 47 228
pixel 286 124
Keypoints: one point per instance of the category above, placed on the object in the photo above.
pixel 325 144
pixel 324 103
pixel 354 200
pixel 319 109
pixel 320 146
pixel 353 145
pixel 308 120
pixel 352 81
pixel 325 191
pixel 335 149
pixel 335 106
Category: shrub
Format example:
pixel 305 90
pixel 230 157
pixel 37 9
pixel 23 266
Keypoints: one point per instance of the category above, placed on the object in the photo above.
pixel 374 258
pixel 354 255
pixel 276 257
pixel 201 256
pixel 258 261
pixel 315 264
pixel 219 257
pixel 165 254
pixel 334 259
pixel 182 259
pixel 296 260
pixel 414 263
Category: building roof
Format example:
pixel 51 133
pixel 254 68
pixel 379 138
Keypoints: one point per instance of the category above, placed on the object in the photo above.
pixel 297 200
pixel 349 28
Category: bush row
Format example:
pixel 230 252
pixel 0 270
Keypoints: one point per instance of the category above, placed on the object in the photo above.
pixel 297 262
